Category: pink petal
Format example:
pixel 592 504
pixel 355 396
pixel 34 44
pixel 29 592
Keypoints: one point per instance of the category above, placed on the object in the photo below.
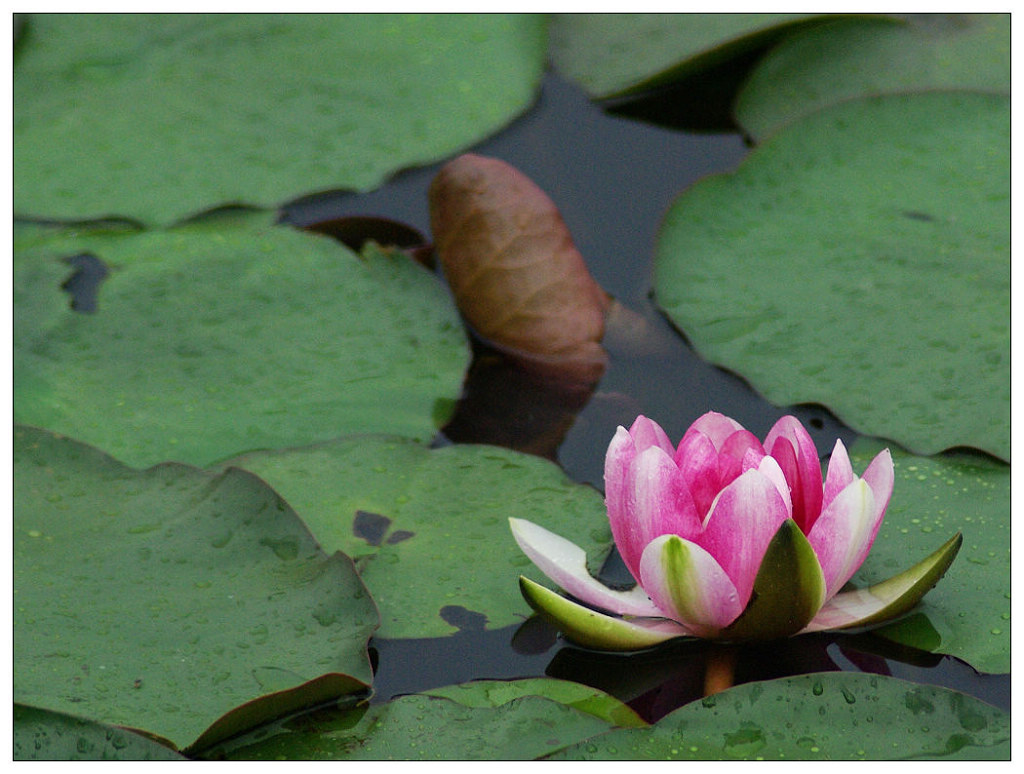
pixel 843 534
pixel 657 502
pixel 716 426
pixel 617 462
pixel 697 459
pixel 880 477
pixel 742 522
pixel 840 473
pixel 791 445
pixel 733 452
pixel 566 564
pixel 770 468
pixel 687 583
pixel 646 433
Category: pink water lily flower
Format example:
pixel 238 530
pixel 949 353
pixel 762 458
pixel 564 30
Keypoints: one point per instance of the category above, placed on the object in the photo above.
pixel 728 538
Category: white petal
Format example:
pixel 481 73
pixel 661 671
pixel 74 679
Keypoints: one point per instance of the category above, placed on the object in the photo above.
pixel 565 563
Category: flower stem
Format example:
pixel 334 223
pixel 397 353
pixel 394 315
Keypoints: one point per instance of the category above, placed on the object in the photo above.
pixel 720 669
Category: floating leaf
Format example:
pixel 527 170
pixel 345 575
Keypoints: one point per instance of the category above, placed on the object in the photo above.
pixel 187 604
pixel 253 108
pixel 968 613
pixel 425 728
pixel 495 693
pixel 219 337
pixel 510 261
pixel 428 528
pixel 40 735
pixel 819 717
pixel 858 57
pixel 860 259
pixel 613 54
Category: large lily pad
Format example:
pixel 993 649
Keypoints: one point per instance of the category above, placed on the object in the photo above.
pixel 428 528
pixel 860 259
pixel 495 693
pixel 856 57
pixel 40 735
pixel 967 614
pixel 187 604
pixel 820 717
pixel 227 335
pixel 425 728
pixel 614 54
pixel 158 116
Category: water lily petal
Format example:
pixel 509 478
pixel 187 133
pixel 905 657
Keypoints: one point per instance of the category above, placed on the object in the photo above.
pixel 716 426
pixel 840 473
pixel 565 563
pixel 734 452
pixel 770 468
pixel 647 433
pixel 697 460
pixel 742 522
pixel 788 591
pixel 597 630
pixel 657 502
pixel 687 583
pixel 887 599
pixel 880 476
pixel 792 446
pixel 843 534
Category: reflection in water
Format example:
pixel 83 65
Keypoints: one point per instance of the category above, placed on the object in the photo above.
pixel 657 681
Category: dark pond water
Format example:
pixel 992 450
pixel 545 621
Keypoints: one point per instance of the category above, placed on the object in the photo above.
pixel 612 178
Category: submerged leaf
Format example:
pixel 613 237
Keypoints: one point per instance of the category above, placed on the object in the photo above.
pixel 517 277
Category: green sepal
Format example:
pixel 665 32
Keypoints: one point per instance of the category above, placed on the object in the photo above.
pixel 593 629
pixel 788 590
pixel 890 598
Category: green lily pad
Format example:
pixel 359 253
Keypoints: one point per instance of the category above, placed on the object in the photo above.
pixel 967 614
pixel 428 528
pixel 820 717
pixel 860 259
pixel 253 108
pixel 226 335
pixel 857 57
pixel 187 604
pixel 615 54
pixel 495 693
pixel 40 735
pixel 422 727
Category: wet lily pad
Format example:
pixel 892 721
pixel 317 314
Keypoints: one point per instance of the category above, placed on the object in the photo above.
pixel 40 735
pixel 857 57
pixel 614 54
pixel 253 108
pixel 818 717
pixel 495 693
pixel 187 604
pixel 967 614
pixel 229 334
pixel 424 728
pixel 860 259
pixel 428 528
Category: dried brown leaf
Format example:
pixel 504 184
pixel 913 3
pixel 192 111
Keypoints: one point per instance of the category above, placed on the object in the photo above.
pixel 516 275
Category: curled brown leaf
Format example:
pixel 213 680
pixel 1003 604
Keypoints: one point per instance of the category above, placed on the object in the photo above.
pixel 516 275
